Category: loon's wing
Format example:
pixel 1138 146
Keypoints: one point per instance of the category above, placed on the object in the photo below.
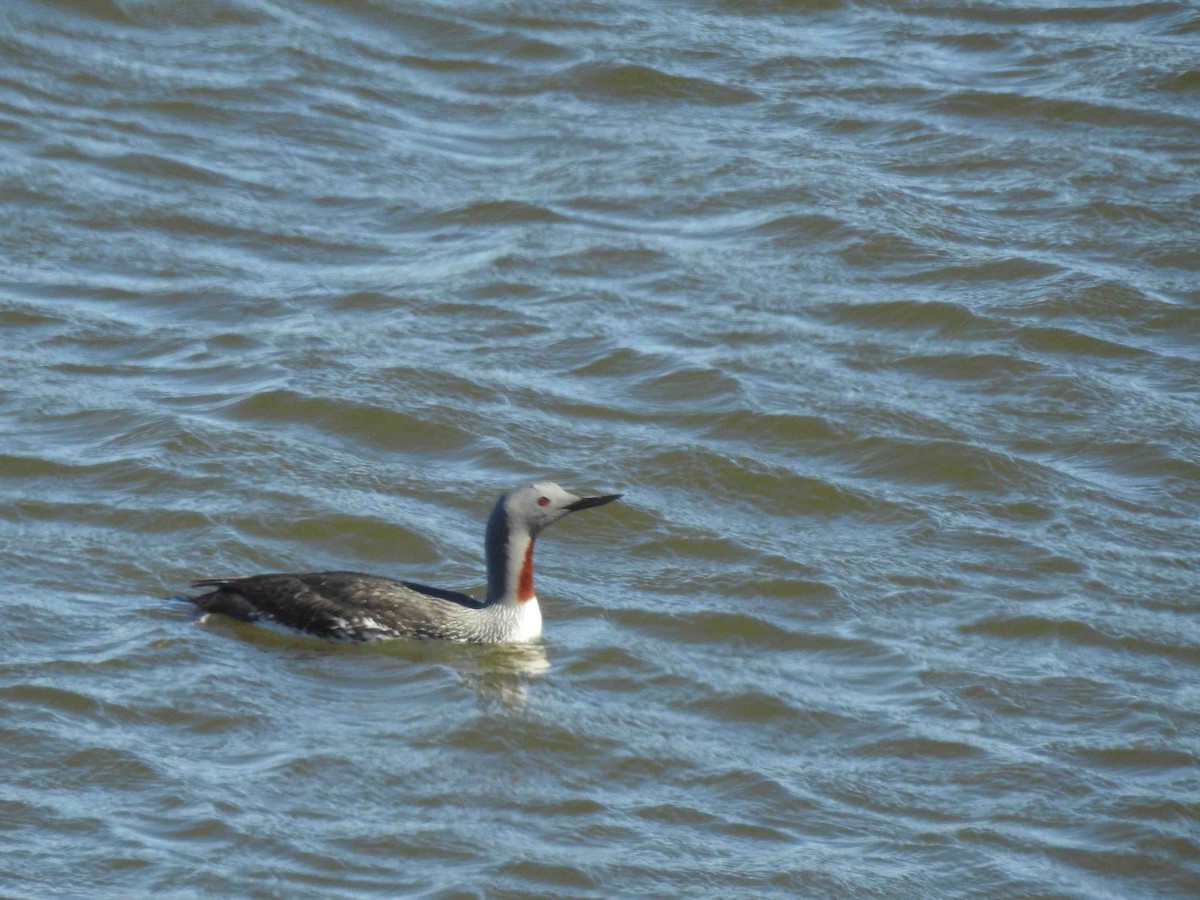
pixel 334 604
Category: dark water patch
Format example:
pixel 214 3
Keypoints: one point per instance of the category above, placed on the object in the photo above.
pixel 634 678
pixel 936 317
pixel 750 706
pixel 607 658
pixel 493 320
pixel 1139 757
pixel 1184 25
pixel 504 290
pixel 570 807
pixel 972 469
pixel 976 42
pixel 634 83
pixel 213 228
pixel 1128 214
pixel 47 699
pixel 1171 254
pixel 104 10
pixel 192 111
pixel 623 362
pixel 515 45
pixel 754 485
pixel 159 434
pixel 881 249
pixel 802 229
pixel 600 260
pixel 1051 339
pixel 194 828
pixel 300 769
pixel 374 426
pixel 1095 300
pixel 341 536
pixel 1089 704
pixel 688 386
pixel 1033 627
pixel 148 165
pixel 1024 14
pixel 776 7
pixel 17 814
pixel 1055 113
pixel 1022 510
pixel 1158 467
pixel 1178 321
pixel 999 271
pixel 768 710
pixel 556 876
pixel 1184 82
pixel 35 467
pixel 759 586
pixel 699 573
pixel 454 65
pixel 968 366
pixel 432 382
pixel 781 431
pixel 675 815
pixel 427 26
pixel 734 629
pixel 701 821
pixel 98 766
pixel 1164 809
pixel 495 212
pixel 992 552
pixel 548 739
pixel 740 784
pixel 1129 866
pixel 131 518
pixel 423 843
pixel 919 748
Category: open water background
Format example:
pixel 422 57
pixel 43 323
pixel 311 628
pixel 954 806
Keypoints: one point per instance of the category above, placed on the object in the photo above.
pixel 885 315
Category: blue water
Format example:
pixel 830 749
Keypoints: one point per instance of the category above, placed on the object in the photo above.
pixel 884 316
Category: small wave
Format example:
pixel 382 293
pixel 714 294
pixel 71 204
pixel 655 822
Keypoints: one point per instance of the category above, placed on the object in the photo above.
pixel 1055 339
pixel 741 629
pixel 152 165
pixel 373 425
pixel 560 876
pixel 763 708
pixel 1015 14
pixel 997 367
pixel 935 316
pixel 1184 82
pixel 495 212
pixel 1139 757
pixel 772 429
pixel 633 83
pixel 1032 627
pixel 1054 112
pixel 918 748
pixel 1004 270
pixel 750 483
pixel 964 466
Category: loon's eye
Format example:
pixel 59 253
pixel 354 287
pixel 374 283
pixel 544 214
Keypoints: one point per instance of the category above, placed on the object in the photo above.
pixel 542 501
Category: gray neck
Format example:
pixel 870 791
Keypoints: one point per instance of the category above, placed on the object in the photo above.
pixel 506 547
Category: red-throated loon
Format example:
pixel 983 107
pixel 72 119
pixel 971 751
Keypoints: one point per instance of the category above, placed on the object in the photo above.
pixel 354 606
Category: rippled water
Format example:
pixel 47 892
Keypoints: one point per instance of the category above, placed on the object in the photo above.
pixel 884 316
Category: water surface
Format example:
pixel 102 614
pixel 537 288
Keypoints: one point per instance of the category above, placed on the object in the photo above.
pixel 883 315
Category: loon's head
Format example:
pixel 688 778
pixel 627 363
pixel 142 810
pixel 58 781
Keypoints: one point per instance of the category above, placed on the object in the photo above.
pixel 532 507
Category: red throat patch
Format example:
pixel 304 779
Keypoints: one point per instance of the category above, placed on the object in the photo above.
pixel 525 581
